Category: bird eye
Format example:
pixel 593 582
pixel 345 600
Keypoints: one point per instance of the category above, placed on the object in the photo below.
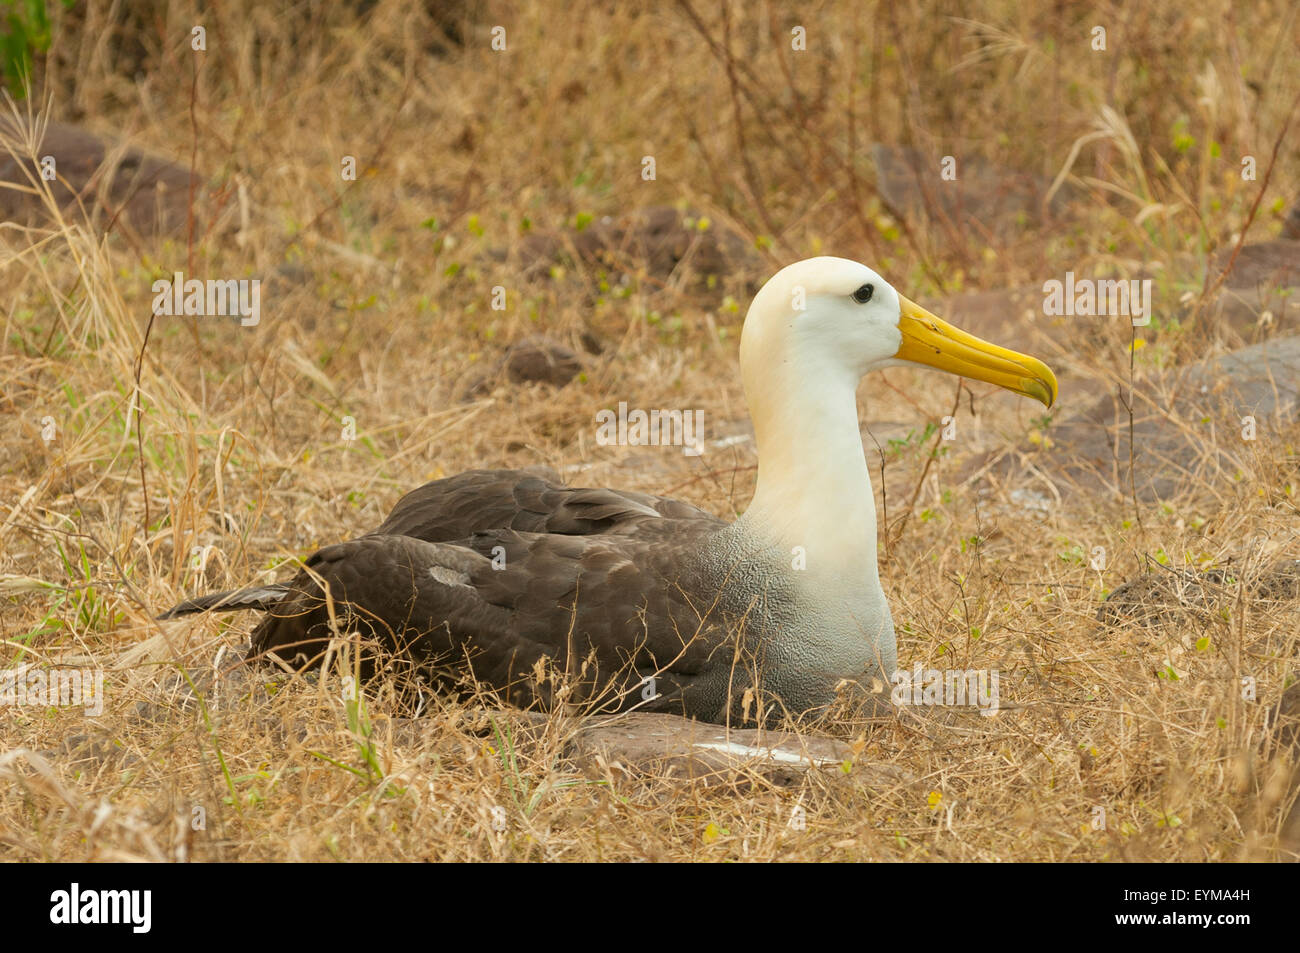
pixel 863 294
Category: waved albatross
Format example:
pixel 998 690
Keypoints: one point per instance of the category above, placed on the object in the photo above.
pixel 508 580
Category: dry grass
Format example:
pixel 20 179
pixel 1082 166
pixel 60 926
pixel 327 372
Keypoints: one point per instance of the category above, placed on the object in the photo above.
pixel 225 441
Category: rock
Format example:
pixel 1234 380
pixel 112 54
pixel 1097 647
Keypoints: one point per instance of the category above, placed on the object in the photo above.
pixel 1089 450
pixel 1172 594
pixel 659 242
pixel 1291 227
pixel 1260 298
pixel 534 359
pixel 649 744
pixel 1273 264
pixel 1262 292
pixel 89 752
pixel 119 188
pixel 541 360
pixel 985 196
pixel 669 746
pixel 1263 379
pixel 673 747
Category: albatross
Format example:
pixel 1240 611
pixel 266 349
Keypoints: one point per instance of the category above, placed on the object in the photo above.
pixel 551 595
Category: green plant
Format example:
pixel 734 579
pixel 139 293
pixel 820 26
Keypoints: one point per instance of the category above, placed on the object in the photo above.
pixel 26 31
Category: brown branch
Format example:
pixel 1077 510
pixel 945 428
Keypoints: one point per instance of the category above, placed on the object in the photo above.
pixel 897 531
pixel 1254 208
pixel 738 117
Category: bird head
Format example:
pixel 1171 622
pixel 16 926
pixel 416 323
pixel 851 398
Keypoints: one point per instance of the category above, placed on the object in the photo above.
pixel 834 317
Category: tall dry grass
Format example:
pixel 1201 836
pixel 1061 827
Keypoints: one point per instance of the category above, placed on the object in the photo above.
pixel 212 454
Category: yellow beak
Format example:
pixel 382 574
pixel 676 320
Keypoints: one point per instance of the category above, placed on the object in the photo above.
pixel 936 343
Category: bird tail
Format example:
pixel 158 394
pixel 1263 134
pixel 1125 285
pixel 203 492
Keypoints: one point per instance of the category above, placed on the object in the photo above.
pixel 255 597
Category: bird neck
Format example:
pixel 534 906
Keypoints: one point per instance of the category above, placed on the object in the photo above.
pixel 814 491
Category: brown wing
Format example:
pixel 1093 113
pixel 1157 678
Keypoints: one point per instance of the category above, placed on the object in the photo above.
pixel 525 500
pixel 522 613
pixel 476 501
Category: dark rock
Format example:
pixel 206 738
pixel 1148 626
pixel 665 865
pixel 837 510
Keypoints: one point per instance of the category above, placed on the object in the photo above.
pixel 1291 227
pixel 541 360
pixel 1171 594
pixel 120 188
pixel 1187 425
pixel 89 752
pixel 530 360
pixel 658 242
pixel 1264 264
pixel 985 196
pixel 1261 292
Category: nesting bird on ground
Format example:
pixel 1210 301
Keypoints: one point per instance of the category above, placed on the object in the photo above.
pixel 508 580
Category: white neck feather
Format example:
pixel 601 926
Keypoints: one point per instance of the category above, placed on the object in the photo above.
pixel 814 489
